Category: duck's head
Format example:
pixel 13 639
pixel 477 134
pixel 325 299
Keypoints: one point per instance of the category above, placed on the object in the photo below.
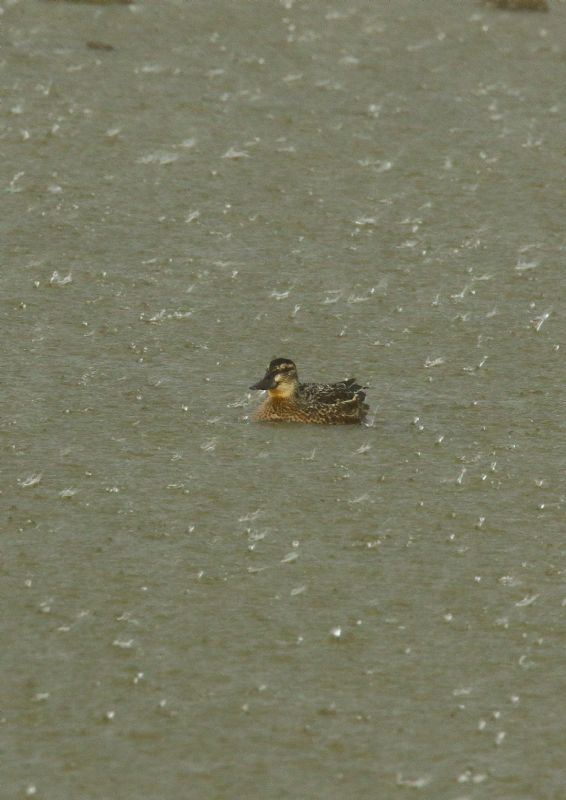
pixel 280 380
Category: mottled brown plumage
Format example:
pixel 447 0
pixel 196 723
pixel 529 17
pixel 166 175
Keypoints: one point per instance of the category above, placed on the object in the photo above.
pixel 321 403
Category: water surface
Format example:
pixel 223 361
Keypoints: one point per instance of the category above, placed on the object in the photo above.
pixel 199 606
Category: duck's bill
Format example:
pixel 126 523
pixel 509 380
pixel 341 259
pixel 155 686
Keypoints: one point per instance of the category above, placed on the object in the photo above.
pixel 265 383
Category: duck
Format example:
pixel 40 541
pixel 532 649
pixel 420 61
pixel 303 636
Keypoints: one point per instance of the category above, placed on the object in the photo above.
pixel 289 400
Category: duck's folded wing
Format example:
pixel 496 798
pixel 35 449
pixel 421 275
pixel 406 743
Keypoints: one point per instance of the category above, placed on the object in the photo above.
pixel 332 392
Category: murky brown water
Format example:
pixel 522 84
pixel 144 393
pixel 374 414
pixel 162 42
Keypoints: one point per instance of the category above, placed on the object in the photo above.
pixel 195 606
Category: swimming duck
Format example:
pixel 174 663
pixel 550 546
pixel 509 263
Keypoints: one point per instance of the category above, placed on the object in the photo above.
pixel 322 403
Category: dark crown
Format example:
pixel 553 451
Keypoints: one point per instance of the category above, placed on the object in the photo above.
pixel 281 365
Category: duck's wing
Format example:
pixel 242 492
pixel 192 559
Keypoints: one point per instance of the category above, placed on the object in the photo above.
pixel 332 393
